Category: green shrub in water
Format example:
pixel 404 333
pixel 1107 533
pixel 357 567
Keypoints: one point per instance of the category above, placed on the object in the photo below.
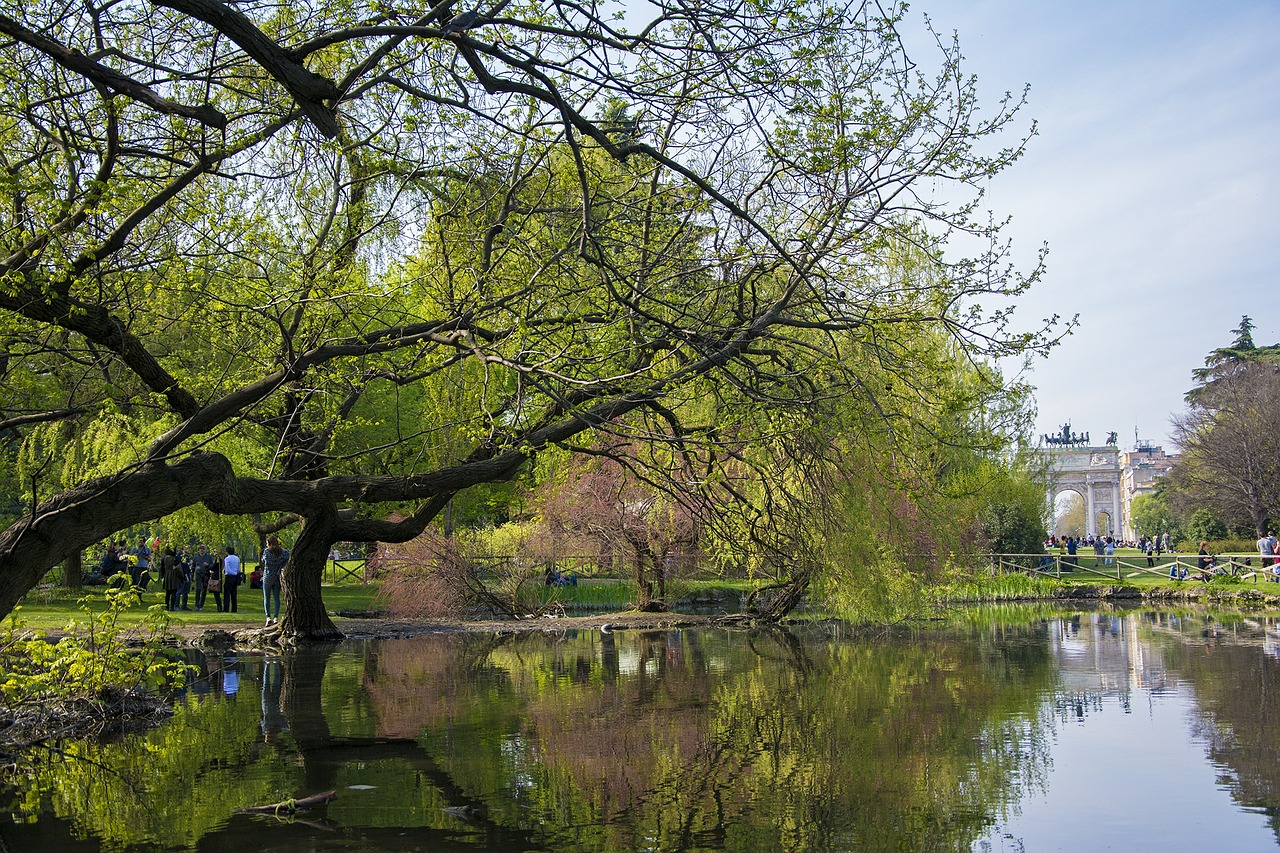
pixel 94 657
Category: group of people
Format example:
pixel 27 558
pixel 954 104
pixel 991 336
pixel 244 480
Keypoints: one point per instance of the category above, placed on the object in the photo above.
pixel 182 571
pixel 1206 565
pixel 1069 546
pixel 1154 546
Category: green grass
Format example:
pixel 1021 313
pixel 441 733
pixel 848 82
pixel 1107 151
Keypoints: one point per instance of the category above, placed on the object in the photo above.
pixel 589 595
pixel 1134 571
pixel 52 608
pixel 1000 588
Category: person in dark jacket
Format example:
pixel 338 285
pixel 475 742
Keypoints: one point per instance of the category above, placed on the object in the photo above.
pixel 173 575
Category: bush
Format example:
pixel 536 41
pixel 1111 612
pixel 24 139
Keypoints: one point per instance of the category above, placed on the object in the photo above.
pixel 435 576
pixel 419 578
pixel 1205 525
pixel 100 670
pixel 1219 546
pixel 1008 528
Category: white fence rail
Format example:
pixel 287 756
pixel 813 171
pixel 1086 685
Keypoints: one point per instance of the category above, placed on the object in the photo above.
pixel 1129 566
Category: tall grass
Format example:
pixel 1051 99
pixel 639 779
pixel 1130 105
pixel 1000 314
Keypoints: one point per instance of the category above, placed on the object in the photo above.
pixel 589 596
pixel 968 589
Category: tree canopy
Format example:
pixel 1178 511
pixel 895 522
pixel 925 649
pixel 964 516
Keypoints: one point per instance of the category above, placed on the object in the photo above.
pixel 317 262
pixel 1230 463
pixel 1223 362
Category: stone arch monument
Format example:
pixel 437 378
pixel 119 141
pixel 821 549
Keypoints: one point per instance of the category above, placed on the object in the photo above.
pixel 1073 464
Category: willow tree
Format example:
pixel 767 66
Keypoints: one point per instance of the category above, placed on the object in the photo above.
pixel 206 293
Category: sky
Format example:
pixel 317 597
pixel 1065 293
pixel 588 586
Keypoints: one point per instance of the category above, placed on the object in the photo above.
pixel 1154 180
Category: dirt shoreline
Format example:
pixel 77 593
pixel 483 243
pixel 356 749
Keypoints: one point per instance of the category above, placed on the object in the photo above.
pixel 389 628
pixel 215 634
pixel 620 621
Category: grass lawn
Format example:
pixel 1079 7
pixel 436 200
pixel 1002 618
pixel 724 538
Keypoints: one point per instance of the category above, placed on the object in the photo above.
pixel 616 594
pixel 51 609
pixel 1133 569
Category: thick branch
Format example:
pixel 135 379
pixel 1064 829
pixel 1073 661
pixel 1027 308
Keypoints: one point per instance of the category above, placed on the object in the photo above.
pixel 79 517
pixel 78 63
pixel 96 324
pixel 38 417
pixel 309 89
pixel 383 340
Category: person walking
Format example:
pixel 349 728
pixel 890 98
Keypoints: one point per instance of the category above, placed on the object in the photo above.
pixel 230 581
pixel 273 560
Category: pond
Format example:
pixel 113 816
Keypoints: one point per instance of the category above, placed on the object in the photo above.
pixel 1021 729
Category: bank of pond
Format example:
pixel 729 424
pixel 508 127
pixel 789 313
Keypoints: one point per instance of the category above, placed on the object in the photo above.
pixel 1021 726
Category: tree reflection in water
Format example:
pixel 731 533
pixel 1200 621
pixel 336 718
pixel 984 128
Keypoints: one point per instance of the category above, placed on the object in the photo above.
pixel 680 740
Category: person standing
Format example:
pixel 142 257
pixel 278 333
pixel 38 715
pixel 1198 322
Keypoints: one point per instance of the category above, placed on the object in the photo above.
pixel 1266 550
pixel 184 591
pixel 172 576
pixel 273 560
pixel 141 571
pixel 202 567
pixel 215 581
pixel 230 581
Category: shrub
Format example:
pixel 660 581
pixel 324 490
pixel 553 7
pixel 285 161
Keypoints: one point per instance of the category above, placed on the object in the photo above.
pixel 1203 524
pixel 1010 528
pixel 101 669
pixel 435 576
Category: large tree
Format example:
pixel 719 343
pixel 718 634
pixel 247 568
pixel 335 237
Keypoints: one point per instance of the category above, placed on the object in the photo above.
pixel 313 262
pixel 1230 462
pixel 1221 364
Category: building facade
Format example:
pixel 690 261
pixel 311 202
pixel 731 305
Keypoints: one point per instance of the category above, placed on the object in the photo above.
pixel 1139 470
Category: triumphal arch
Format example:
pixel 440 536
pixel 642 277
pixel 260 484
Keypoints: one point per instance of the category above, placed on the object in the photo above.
pixel 1073 463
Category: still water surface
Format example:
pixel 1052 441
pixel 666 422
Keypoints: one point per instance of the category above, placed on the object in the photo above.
pixel 1011 730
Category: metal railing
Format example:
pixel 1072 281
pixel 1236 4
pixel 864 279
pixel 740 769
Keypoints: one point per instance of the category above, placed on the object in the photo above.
pixel 1129 566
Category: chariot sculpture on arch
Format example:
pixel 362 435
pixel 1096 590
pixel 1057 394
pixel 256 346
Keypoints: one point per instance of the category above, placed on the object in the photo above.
pixel 1066 438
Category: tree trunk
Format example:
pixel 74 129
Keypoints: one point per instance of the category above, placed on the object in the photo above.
pixel 303 617
pixel 73 570
pixel 644 589
pixel 661 569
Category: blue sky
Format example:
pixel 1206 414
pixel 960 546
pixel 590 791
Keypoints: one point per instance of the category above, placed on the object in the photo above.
pixel 1154 180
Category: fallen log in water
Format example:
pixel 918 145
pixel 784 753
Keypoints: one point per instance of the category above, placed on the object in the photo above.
pixel 291 806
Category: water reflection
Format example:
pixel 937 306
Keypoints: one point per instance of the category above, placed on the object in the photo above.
pixel 990 734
